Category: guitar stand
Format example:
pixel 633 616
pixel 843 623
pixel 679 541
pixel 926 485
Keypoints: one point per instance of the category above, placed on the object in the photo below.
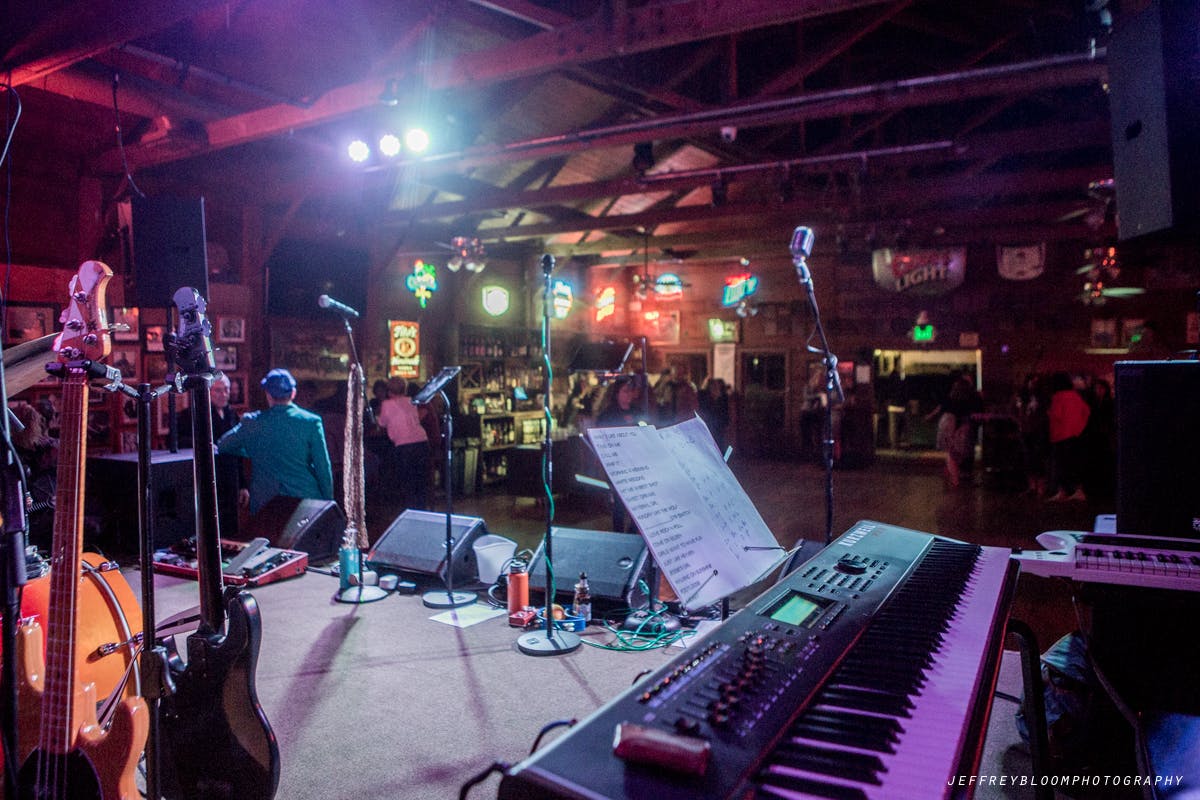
pixel 156 682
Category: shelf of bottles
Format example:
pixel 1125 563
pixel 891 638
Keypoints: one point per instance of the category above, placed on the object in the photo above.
pixel 497 432
pixel 485 344
pixel 493 467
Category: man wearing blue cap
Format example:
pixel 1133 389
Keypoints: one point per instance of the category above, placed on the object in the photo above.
pixel 285 445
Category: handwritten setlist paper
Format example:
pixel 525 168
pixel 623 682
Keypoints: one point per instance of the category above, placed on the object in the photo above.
pixel 703 530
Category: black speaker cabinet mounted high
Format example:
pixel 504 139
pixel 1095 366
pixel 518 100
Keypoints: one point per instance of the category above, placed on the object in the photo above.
pixel 1154 101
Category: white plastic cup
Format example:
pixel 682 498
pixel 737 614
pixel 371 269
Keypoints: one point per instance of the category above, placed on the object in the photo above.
pixel 492 554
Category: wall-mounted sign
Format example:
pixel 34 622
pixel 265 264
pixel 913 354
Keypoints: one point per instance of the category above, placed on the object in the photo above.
pixel 1021 263
pixel 919 272
pixel 738 288
pixel 404 357
pixel 722 330
pixel 668 286
pixel 422 282
pixel 662 327
pixel 606 303
pixel 495 300
pixel 562 296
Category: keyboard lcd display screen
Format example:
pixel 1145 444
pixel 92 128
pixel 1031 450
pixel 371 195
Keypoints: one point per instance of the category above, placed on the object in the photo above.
pixel 796 609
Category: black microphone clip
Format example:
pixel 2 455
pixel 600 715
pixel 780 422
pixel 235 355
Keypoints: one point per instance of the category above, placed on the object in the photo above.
pixel 547 264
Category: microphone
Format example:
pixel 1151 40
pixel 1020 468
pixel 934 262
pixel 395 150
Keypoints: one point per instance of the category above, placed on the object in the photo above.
pixel 325 301
pixel 801 247
pixel 547 264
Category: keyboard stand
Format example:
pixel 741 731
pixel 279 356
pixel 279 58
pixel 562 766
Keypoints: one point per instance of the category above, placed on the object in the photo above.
pixel 1035 705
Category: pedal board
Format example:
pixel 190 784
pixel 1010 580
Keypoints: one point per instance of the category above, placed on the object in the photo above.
pixel 242 563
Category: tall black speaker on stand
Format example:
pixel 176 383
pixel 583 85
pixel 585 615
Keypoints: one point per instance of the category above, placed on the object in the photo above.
pixel 548 641
pixel 169 249
pixel 1154 100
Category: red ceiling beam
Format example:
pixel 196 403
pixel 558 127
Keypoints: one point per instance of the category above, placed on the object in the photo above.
pixel 88 28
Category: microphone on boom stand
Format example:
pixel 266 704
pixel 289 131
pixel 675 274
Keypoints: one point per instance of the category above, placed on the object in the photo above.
pixel 801 247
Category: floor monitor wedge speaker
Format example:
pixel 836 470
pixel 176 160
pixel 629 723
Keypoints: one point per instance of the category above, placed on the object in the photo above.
pixel 415 544
pixel 1157 405
pixel 615 564
pixel 1154 101
pixel 169 249
pixel 311 526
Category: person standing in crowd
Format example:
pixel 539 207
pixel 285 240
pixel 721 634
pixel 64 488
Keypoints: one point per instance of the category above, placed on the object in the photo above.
pixel 406 467
pixel 232 490
pixel 956 427
pixel 714 410
pixel 38 452
pixel 620 409
pixel 1068 416
pixel 285 445
pixel 1100 441
pixel 1031 404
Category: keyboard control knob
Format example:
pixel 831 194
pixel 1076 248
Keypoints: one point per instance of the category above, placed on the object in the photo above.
pixel 849 565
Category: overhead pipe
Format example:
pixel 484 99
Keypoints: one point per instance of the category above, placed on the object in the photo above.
pixel 213 77
pixel 745 113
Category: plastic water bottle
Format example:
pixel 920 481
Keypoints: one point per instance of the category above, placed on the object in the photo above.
pixel 583 598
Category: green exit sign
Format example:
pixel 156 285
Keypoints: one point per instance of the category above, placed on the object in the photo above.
pixel 923 333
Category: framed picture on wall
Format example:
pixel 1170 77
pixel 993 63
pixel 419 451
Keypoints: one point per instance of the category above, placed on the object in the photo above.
pixel 128 443
pixel 226 358
pixel 231 329
pixel 129 411
pixel 154 338
pixel 237 390
pixel 28 321
pixel 126 318
pixel 126 360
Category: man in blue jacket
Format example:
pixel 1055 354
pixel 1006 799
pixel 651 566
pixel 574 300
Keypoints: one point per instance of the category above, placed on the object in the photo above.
pixel 285 445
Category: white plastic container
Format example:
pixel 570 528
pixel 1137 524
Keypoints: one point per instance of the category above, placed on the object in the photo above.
pixel 492 553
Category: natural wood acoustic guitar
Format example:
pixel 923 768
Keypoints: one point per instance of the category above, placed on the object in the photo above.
pixel 65 751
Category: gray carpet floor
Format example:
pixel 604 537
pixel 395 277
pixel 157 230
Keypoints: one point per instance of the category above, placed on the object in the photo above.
pixel 378 701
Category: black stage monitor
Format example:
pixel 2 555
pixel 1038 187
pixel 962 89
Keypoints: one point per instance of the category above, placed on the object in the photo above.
pixel 1158 447
pixel 606 356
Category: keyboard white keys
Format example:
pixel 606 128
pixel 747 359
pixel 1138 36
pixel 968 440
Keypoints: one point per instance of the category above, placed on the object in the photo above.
pixel 1147 561
pixel 933 735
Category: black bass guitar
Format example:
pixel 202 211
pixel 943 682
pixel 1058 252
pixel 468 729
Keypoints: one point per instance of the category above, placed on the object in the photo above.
pixel 217 742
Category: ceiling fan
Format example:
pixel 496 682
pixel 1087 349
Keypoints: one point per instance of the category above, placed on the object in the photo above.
pixel 1101 272
pixel 664 285
pixel 1100 208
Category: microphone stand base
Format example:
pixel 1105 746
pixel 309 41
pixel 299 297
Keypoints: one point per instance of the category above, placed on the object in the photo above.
pixel 444 598
pixel 548 643
pixel 360 594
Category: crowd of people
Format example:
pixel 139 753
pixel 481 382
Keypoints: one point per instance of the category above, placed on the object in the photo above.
pixel 1065 427
pixel 1068 434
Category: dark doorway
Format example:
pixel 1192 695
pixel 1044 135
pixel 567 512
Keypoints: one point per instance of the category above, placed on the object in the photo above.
pixel 762 419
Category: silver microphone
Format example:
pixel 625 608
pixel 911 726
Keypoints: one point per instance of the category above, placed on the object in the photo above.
pixel 801 247
pixel 325 301
pixel 802 242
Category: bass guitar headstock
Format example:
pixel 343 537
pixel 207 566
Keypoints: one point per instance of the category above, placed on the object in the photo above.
pixel 84 332
pixel 193 336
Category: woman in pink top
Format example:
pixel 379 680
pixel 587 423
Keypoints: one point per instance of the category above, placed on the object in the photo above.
pixel 406 468
pixel 1068 416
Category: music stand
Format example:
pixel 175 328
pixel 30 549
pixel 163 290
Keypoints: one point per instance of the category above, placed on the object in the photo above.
pixel 445 598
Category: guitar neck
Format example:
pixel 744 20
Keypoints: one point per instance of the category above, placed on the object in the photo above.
pixel 208 533
pixel 60 717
